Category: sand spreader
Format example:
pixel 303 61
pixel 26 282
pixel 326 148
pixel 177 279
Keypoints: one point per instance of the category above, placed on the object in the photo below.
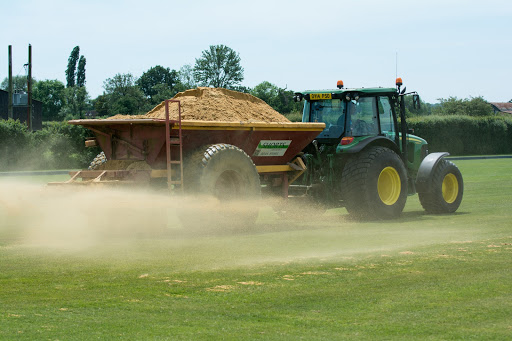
pixel 206 156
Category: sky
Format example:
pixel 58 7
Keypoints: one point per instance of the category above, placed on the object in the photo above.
pixel 439 48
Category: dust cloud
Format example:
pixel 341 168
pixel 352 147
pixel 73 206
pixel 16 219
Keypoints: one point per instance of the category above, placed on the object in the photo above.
pixel 75 217
pixel 78 217
pixel 137 225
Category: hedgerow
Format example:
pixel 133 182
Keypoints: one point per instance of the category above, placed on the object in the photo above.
pixel 465 135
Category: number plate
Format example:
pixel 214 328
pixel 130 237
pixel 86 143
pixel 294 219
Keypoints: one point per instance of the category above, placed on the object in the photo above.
pixel 316 97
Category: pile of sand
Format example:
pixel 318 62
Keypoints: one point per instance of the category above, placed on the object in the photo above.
pixel 214 104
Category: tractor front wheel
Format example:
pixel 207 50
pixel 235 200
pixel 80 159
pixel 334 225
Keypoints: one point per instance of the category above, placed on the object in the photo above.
pixel 446 189
pixel 374 184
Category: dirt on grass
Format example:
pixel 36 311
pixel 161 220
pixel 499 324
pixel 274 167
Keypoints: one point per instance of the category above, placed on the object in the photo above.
pixel 214 104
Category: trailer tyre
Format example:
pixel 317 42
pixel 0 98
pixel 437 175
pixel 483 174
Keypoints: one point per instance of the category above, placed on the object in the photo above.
pixel 374 184
pixel 227 174
pixel 446 189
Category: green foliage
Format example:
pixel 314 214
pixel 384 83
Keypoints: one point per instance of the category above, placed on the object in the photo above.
pixel 474 106
pixel 465 135
pixel 19 83
pixel 70 70
pixel 122 96
pixel 66 145
pixel 76 98
pixel 75 101
pixel 80 72
pixel 51 93
pixel 186 77
pixel 162 92
pixel 101 105
pixel 57 146
pixel 158 82
pixel 14 139
pixel 219 66
pixel 279 99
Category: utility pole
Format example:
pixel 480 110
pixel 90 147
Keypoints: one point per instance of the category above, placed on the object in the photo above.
pixel 9 100
pixel 29 88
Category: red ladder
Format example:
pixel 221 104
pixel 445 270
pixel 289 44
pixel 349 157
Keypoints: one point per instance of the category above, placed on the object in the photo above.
pixel 175 141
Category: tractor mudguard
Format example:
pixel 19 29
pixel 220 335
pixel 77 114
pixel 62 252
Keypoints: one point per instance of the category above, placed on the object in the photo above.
pixel 424 177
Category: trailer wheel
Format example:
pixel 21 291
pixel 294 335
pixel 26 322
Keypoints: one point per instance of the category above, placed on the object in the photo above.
pixel 374 184
pixel 446 190
pixel 228 175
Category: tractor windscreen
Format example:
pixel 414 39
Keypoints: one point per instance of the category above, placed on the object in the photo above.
pixel 332 113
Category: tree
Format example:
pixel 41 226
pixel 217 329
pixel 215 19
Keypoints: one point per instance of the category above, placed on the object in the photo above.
pixel 101 105
pixel 70 71
pixel 279 99
pixel 186 77
pixel 475 106
pixel 80 72
pixel 158 79
pixel 266 91
pixel 163 92
pixel 51 93
pixel 219 66
pixel 478 106
pixel 76 99
pixel 19 83
pixel 122 95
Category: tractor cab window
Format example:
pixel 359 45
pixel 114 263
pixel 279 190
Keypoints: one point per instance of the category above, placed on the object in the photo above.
pixel 387 124
pixel 332 113
pixel 363 116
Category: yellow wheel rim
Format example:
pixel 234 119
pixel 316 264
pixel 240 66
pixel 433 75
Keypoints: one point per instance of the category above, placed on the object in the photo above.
pixel 450 188
pixel 389 186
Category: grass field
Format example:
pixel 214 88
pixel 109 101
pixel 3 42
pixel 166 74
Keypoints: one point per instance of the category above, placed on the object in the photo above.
pixel 419 277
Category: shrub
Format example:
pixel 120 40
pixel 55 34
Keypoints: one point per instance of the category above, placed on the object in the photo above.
pixel 57 146
pixel 14 140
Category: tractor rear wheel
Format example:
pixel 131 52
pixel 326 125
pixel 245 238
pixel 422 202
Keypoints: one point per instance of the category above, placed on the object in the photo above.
pixel 226 180
pixel 446 190
pixel 374 184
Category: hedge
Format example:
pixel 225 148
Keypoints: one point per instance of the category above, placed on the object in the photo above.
pixel 57 146
pixel 465 135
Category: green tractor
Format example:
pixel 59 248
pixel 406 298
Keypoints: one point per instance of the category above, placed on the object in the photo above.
pixel 361 160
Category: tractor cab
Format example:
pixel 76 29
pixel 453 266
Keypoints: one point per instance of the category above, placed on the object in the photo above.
pixel 351 112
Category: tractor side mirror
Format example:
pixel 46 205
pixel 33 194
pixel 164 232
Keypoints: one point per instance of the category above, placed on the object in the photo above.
pixel 416 102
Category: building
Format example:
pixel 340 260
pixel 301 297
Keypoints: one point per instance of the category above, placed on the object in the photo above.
pixel 20 109
pixel 505 108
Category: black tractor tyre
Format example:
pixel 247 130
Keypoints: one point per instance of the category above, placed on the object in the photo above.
pixel 374 184
pixel 447 188
pixel 225 173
